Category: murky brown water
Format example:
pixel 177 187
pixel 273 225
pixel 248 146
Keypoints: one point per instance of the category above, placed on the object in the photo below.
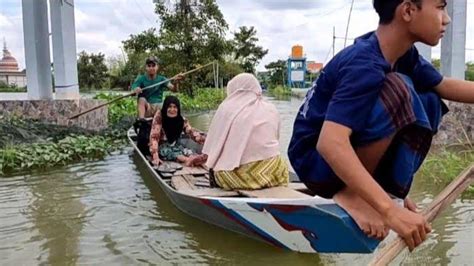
pixel 111 212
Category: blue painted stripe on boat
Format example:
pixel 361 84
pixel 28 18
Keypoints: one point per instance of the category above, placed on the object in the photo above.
pixel 244 222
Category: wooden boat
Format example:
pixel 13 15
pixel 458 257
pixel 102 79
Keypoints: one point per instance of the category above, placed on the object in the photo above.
pixel 286 217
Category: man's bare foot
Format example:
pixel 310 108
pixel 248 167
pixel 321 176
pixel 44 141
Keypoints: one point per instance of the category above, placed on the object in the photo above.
pixel 366 217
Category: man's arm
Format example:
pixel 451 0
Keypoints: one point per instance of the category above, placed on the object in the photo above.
pixel 335 147
pixel 456 90
pixel 136 85
pixel 175 87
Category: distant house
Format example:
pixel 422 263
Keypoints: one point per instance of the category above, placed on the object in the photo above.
pixel 314 67
pixel 9 72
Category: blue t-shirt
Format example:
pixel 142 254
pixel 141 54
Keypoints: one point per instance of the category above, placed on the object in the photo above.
pixel 346 91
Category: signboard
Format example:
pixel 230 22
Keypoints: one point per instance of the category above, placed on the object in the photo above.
pixel 297 75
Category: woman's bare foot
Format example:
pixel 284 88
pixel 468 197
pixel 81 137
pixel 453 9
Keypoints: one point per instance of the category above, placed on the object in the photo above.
pixel 196 160
pixel 366 217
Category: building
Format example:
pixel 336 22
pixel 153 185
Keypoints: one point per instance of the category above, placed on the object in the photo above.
pixel 314 67
pixel 9 71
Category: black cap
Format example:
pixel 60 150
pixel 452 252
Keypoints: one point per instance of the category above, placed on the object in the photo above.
pixel 152 60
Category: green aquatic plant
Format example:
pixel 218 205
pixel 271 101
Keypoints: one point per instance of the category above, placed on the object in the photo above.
pixel 69 149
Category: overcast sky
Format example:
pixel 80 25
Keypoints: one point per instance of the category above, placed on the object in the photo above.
pixel 101 25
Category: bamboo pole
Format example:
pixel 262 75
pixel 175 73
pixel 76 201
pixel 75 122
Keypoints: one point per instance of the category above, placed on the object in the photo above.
pixel 385 255
pixel 133 93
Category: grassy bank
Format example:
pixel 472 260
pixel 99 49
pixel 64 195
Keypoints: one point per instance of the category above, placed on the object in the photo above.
pixel 279 92
pixel 444 165
pixel 204 99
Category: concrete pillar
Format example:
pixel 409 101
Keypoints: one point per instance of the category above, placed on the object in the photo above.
pixel 64 49
pixel 37 56
pixel 424 50
pixel 453 45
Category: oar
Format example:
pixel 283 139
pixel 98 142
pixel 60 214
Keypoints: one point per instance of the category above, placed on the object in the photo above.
pixel 133 93
pixel 385 255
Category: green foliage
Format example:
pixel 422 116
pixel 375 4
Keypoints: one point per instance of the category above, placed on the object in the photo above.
pixel 92 70
pixel 442 167
pixel 146 41
pixel 245 48
pixel 436 63
pixel 17 131
pixel 469 68
pixel 4 87
pixel 119 110
pixel 277 72
pixel 26 144
pixel 470 71
pixel 204 99
pixel 280 92
pixel 229 70
pixel 71 148
pixel 191 32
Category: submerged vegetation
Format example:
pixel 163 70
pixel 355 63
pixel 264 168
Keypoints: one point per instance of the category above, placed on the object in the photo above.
pixel 444 165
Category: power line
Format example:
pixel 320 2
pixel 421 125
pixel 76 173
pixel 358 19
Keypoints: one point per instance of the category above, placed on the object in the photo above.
pixel 143 12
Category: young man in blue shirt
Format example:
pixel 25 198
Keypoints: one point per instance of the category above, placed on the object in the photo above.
pixel 367 124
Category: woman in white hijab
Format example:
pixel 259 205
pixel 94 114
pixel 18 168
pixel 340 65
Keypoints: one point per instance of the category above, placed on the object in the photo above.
pixel 242 142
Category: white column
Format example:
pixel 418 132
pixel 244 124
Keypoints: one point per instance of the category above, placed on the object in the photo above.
pixel 64 49
pixel 424 50
pixel 453 45
pixel 37 56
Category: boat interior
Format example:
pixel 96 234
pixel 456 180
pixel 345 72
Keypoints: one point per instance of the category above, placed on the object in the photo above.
pixel 195 181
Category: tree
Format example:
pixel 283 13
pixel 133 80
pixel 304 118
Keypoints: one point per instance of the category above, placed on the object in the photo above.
pixel 92 70
pixel 146 41
pixel 436 63
pixel 191 32
pixel 245 48
pixel 278 74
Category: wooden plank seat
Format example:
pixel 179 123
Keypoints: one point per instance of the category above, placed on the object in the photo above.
pixel 297 186
pixel 192 171
pixel 199 187
pixel 274 192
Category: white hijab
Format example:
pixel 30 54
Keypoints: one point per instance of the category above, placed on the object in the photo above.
pixel 245 127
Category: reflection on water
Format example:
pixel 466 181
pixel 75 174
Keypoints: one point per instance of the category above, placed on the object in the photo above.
pixel 112 212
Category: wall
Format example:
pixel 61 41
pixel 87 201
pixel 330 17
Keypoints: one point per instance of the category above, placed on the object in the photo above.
pixel 57 112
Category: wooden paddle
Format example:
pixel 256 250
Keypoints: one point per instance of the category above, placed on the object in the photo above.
pixel 133 93
pixel 385 255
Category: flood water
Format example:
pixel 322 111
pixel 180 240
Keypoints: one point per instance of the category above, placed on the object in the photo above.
pixel 111 212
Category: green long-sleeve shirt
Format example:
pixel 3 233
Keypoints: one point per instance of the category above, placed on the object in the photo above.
pixel 153 95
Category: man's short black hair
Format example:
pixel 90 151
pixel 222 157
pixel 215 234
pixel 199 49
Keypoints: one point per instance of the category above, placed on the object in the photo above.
pixel 386 9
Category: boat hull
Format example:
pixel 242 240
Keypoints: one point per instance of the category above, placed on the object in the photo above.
pixel 303 225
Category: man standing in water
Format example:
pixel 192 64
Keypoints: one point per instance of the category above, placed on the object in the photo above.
pixel 150 100
pixel 367 124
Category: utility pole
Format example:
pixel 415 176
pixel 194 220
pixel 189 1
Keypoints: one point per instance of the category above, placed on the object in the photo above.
pixel 333 41
pixel 348 22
